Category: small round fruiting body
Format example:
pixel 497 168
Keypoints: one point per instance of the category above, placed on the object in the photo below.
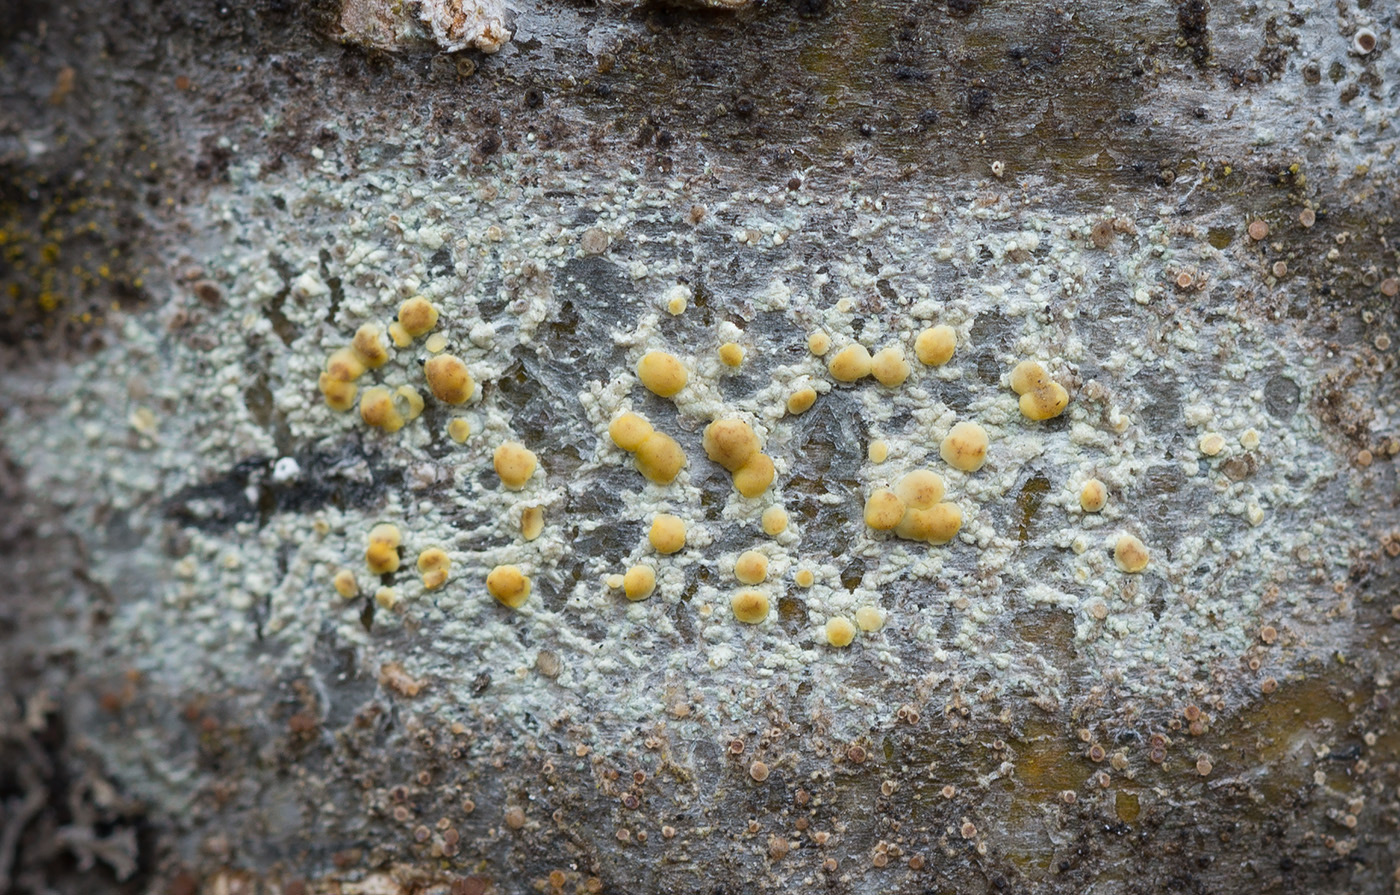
pixel 850 363
pixel 965 447
pixel 662 373
pixel 749 606
pixel 751 567
pixel 667 533
pixel 639 582
pixel 508 585
pixel 934 346
pixel 449 379
pixel 514 464
pixel 839 631
pixel 417 316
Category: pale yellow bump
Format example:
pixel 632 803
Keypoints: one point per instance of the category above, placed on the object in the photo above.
pixel 1249 440
pixel 377 409
pixel 965 447
pixel 459 430
pixel 339 394
pixel 839 631
pixel 629 430
pixel 436 343
pixel 531 522
pixel 819 343
pixel 731 354
pixel 878 452
pixel 345 584
pixel 1212 443
pixel 508 585
pixel 870 619
pixel 448 379
pixel 382 553
pixel 667 533
pixel 889 367
pixel 615 581
pixel 883 510
pixel 804 578
pixel 399 336
pixel 433 565
pixel 749 606
pixel 368 345
pixel 850 363
pixel 412 399
pixel 1046 402
pixel 639 582
pixel 1130 554
pixel 386 597
pixel 662 373
pixel 659 458
pixel 920 489
pixel 676 305
pixel 801 400
pixel 1093 497
pixel 417 316
pixel 754 477
pixel 730 443
pixel 935 345
pixel 345 365
pixel 774 521
pixel 1027 376
pixel 751 567
pixel 936 525
pixel 514 463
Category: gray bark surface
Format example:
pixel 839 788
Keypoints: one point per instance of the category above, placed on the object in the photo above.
pixel 200 201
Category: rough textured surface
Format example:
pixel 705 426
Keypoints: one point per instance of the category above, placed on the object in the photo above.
pixel 199 204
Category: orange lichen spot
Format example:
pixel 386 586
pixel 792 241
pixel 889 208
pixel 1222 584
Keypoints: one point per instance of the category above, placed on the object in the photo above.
pixel 459 430
pixel 883 510
pixel 819 343
pixel 751 567
pixel 531 522
pixel 839 631
pixel 937 525
pixel 377 409
pixel 801 400
pixel 339 394
pixel 382 551
pixel 449 379
pixel 417 316
pixel 869 619
pixel 965 447
pixel 629 430
pixel 368 345
pixel 660 458
pixel 1046 402
pixel 639 582
pixel 433 565
pixel 889 367
pixel 1093 496
pixel 749 606
pixel 774 521
pixel 850 363
pixel 935 345
pixel 804 578
pixel 662 373
pixel 345 583
pixel 344 364
pixel 1130 554
pixel 731 354
pixel 730 443
pixel 514 463
pixel 754 477
pixel 1027 376
pixel 393 676
pixel 509 585
pixel 667 533
pixel 920 489
pixel 413 401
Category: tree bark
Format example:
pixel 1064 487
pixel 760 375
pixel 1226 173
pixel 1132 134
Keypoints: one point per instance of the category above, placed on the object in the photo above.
pixel 1183 211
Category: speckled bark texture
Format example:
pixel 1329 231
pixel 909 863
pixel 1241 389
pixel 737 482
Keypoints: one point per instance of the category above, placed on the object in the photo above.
pixel 1184 211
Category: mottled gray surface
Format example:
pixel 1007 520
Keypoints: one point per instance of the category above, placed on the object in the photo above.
pixel 220 195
